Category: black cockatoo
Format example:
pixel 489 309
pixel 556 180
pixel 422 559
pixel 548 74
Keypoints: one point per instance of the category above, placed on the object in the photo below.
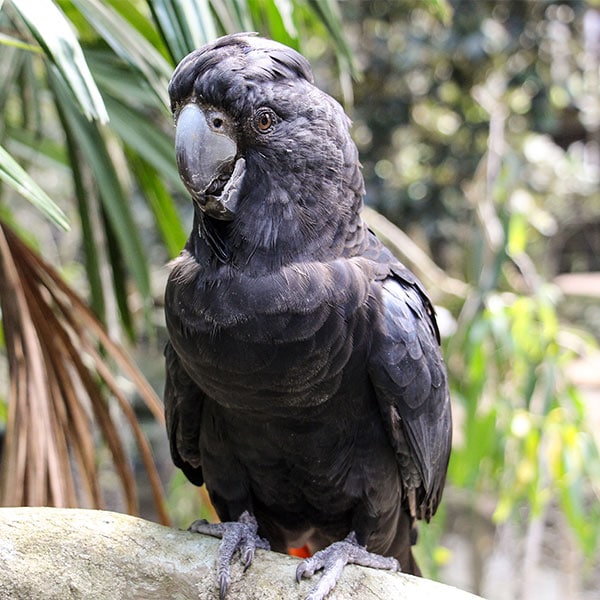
pixel 305 384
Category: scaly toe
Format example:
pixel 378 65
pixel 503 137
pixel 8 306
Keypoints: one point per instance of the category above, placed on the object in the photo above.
pixel 332 561
pixel 238 536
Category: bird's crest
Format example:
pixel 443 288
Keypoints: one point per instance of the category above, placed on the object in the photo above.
pixel 259 59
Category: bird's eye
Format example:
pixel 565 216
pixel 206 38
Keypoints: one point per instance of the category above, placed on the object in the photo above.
pixel 264 120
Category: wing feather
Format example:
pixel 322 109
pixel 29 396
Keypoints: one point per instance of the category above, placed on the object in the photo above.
pixel 409 377
pixel 183 411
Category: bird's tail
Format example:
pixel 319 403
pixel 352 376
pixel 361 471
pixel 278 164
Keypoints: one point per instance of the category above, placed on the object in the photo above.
pixel 404 540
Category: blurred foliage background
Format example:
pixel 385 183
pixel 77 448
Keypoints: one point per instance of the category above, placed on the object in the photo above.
pixel 478 127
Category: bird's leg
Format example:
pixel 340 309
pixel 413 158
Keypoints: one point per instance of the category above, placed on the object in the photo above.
pixel 333 559
pixel 241 535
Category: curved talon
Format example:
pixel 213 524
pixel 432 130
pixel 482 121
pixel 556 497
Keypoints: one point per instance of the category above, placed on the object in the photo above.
pixel 302 570
pixel 247 554
pixel 223 585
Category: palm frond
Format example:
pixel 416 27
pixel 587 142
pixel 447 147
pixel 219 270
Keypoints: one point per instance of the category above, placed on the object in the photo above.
pixel 14 175
pixel 59 387
pixel 53 32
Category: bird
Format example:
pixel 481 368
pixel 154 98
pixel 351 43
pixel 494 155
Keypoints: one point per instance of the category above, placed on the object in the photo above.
pixel 305 385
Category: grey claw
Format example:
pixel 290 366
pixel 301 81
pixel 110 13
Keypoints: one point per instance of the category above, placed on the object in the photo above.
pixel 306 569
pixel 247 556
pixel 197 523
pixel 223 585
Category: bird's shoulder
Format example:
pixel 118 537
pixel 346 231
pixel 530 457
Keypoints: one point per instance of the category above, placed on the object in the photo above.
pixel 183 413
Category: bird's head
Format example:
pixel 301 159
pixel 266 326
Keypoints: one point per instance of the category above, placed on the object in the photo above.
pixel 259 145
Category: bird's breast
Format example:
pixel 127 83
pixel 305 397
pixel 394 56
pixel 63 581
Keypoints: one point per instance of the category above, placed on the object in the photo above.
pixel 284 339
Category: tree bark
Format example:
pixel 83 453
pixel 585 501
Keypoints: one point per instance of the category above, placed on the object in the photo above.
pixel 63 554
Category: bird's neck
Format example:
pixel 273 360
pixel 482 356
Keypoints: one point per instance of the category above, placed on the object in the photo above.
pixel 257 243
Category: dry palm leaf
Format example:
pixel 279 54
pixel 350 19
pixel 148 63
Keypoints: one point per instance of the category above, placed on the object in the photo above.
pixel 60 379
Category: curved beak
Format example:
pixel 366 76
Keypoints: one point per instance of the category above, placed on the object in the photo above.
pixel 206 154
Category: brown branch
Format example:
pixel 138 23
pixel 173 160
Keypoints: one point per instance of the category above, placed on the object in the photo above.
pixel 61 553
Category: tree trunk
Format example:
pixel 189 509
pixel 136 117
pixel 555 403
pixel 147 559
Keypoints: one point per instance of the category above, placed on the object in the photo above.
pixel 62 554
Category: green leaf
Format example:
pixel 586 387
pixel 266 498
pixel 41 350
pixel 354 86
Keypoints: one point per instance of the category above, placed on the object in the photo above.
pixel 8 40
pixel 53 33
pixel 26 143
pixel 286 12
pixel 144 25
pixel 128 44
pixel 184 24
pixel 140 134
pixel 233 15
pixel 441 9
pixel 328 13
pixel 119 275
pixel 91 253
pixel 161 204
pixel 93 148
pixel 16 177
pixel 120 81
pixel 276 15
pixel 518 234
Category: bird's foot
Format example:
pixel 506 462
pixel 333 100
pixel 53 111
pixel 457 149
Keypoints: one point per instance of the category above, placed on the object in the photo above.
pixel 333 559
pixel 241 535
